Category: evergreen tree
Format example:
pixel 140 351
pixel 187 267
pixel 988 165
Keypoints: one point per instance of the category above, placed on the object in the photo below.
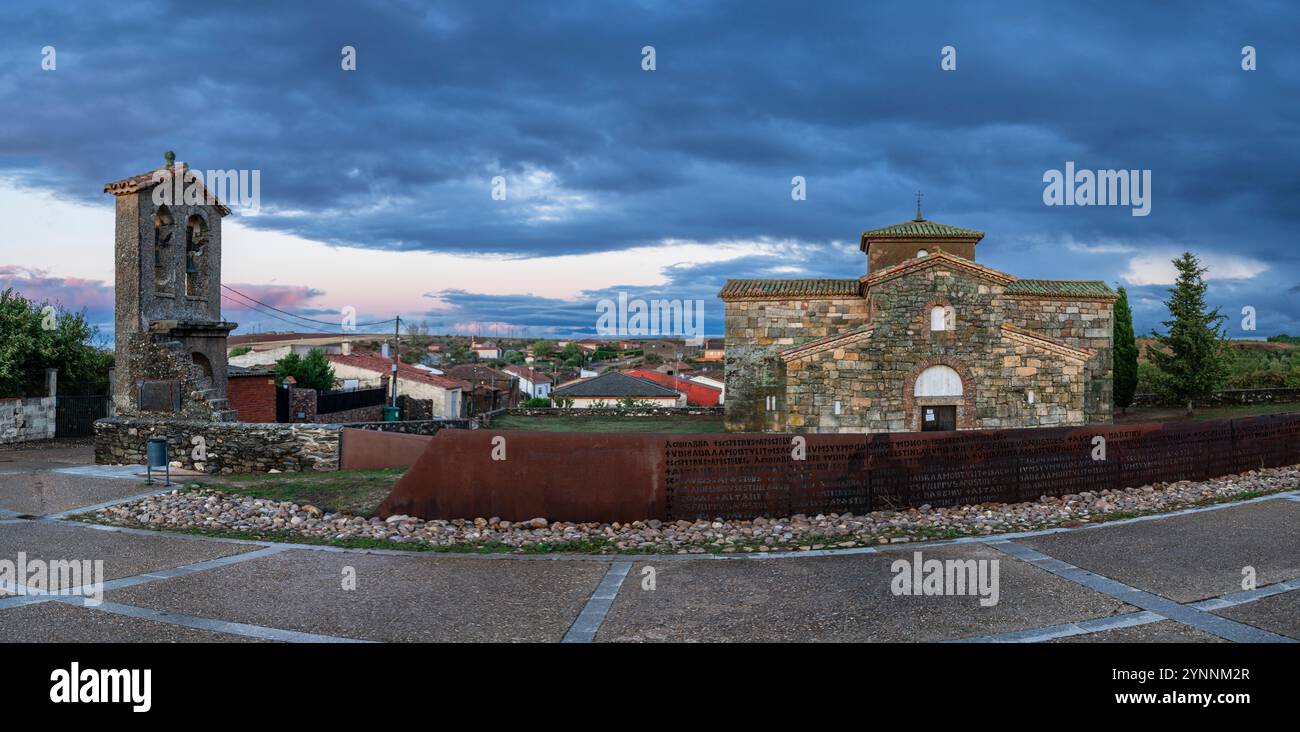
pixel 1191 355
pixel 1125 372
pixel 312 372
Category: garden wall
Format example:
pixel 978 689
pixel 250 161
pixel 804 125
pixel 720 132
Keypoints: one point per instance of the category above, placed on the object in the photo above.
pixel 221 447
pixel 22 420
pixel 1227 397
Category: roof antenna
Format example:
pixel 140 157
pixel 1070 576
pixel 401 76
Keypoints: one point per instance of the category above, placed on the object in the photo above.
pixel 918 207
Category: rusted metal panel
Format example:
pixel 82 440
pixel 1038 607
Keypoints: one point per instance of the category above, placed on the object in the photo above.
pixel 519 475
pixel 371 449
pixel 622 477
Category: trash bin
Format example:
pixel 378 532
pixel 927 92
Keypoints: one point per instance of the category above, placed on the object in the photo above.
pixel 156 457
pixel 391 413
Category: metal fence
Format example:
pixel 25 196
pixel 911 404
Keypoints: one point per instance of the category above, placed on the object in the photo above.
pixel 590 476
pixel 74 416
pixel 328 402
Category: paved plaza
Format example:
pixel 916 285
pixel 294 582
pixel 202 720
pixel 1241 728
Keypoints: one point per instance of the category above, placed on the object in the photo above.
pixel 1171 578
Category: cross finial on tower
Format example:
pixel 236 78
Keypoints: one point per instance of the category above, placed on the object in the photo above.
pixel 918 206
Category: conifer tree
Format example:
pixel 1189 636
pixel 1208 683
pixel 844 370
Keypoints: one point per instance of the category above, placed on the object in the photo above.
pixel 1191 354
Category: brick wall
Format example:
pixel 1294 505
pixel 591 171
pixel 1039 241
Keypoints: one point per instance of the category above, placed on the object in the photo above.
pixel 253 396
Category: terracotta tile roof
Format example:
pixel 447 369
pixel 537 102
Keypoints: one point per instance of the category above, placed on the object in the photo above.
pixel 614 385
pixel 523 372
pixel 921 229
pixel 145 181
pixel 701 395
pixel 405 372
pixel 476 372
pixel 786 289
pixel 1062 288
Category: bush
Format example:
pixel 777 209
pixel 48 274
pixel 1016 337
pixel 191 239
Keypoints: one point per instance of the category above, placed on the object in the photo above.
pixel 536 403
pixel 34 337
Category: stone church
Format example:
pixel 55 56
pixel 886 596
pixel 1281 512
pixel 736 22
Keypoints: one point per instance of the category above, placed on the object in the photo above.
pixel 926 340
pixel 170 337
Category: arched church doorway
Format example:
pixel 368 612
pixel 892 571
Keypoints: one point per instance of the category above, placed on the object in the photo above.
pixel 938 392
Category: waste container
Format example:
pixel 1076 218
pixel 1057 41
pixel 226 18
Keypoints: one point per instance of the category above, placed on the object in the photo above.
pixel 156 457
pixel 390 414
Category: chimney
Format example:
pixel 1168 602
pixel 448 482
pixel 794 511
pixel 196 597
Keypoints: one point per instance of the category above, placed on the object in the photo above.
pixel 346 348
pixel 383 351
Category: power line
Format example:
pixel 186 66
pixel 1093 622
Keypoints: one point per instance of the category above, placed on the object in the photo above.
pixel 295 324
pixel 295 315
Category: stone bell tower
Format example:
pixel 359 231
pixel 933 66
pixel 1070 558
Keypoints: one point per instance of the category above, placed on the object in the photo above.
pixel 171 339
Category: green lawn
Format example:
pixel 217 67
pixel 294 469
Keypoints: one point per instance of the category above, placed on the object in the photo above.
pixel 685 424
pixel 358 492
pixel 1177 414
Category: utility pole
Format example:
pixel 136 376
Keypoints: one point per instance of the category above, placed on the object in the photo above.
pixel 397 347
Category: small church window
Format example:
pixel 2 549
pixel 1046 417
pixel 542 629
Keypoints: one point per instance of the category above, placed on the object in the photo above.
pixel 937 319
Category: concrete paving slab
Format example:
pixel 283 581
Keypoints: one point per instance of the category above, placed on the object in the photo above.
pixel 1190 557
pixel 1165 631
pixel 416 598
pixel 836 599
pixel 40 493
pixel 124 555
pixel 46 454
pixel 1279 614
pixel 57 622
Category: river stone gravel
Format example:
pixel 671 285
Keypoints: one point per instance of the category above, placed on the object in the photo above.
pixel 215 511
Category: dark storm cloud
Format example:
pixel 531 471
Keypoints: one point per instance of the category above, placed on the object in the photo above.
pixel 600 155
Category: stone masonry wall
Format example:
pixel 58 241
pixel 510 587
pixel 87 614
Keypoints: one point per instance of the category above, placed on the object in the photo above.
pixel 756 331
pixel 873 379
pixel 1081 323
pixel 22 420
pixel 226 447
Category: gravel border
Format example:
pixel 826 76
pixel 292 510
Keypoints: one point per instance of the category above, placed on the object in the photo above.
pixel 213 512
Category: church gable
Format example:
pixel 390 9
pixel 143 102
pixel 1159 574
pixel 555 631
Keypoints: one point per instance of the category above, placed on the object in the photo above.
pixel 931 340
pixel 938 259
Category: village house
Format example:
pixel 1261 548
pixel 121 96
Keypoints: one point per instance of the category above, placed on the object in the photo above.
pixel 697 394
pixel 612 387
pixel 714 350
pixel 491 389
pixel 926 340
pixel 445 396
pixel 487 351
pixel 532 383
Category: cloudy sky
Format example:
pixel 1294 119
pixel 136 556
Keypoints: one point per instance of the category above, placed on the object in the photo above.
pixel 377 183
